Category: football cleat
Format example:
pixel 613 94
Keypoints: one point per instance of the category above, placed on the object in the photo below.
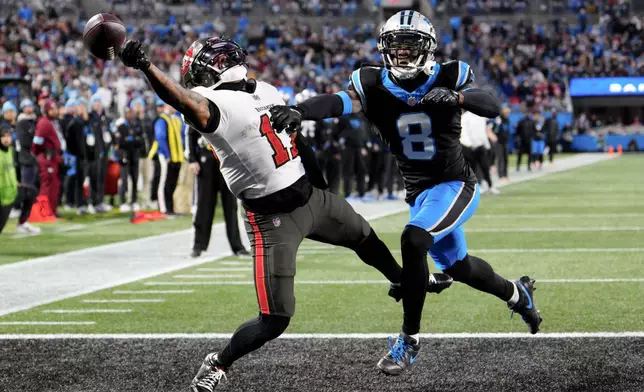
pixel 402 354
pixel 525 305
pixel 436 284
pixel 208 376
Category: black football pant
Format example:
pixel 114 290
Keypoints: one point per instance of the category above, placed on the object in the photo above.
pixel 210 183
pixel 353 166
pixel 275 239
pixel 95 181
pixel 524 149
pixel 376 162
pixel 167 185
pixel 5 211
pixel 129 168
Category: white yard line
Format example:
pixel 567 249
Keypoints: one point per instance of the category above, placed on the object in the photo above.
pixel 374 281
pixel 123 301
pixel 46 323
pixel 153 291
pixel 49 279
pixel 224 269
pixel 501 250
pixel 207 276
pixel 87 311
pixel 546 215
pixel 235 262
pixel 296 336
pixel 557 229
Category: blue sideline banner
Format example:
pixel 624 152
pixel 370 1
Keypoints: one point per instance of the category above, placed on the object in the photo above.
pixel 606 87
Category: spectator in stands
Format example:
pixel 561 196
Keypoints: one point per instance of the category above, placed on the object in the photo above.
pixel 48 147
pixel 25 131
pixel 168 132
pixel 100 126
pixel 9 116
pixel 128 143
pixel 476 145
pixel 551 132
pixel 153 157
pixel 526 128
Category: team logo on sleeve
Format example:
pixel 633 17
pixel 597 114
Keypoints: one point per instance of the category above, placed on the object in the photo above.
pixel 277 222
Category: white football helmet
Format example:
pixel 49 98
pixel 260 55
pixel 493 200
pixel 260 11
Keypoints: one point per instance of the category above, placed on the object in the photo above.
pixel 407 43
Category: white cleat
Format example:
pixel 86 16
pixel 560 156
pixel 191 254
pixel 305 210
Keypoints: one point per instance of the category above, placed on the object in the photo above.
pixel 27 228
pixel 136 207
pixel 495 191
pixel 125 208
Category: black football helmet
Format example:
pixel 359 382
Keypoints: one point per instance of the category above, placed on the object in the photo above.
pixel 207 59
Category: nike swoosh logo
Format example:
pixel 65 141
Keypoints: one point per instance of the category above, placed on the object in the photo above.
pixel 412 358
pixel 528 295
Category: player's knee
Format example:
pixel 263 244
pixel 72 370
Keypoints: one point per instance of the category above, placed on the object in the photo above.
pixel 461 270
pixel 274 325
pixel 415 239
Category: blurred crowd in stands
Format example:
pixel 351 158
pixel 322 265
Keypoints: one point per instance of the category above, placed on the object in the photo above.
pixel 43 63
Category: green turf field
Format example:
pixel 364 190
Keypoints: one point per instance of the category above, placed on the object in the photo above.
pixel 73 232
pixel 562 229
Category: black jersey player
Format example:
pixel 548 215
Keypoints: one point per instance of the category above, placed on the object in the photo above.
pixel 416 104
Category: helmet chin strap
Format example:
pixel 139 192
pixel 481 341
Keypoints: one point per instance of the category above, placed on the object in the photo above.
pixel 233 74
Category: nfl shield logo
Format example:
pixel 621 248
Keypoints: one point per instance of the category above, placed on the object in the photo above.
pixel 411 101
pixel 277 222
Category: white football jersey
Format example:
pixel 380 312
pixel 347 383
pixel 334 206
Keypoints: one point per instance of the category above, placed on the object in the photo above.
pixel 255 160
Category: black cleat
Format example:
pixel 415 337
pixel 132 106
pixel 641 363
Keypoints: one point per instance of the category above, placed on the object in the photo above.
pixel 436 284
pixel 525 306
pixel 196 253
pixel 402 354
pixel 208 376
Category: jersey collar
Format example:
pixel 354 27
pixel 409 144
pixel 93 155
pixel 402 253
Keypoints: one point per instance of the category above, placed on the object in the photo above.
pixel 415 96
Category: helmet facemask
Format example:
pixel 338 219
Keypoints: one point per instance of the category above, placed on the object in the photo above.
pixel 405 53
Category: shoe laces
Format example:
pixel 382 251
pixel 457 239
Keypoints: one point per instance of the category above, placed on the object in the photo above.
pixel 398 349
pixel 212 379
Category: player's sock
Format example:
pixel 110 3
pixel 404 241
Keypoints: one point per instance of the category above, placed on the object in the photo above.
pixel 515 296
pixel 372 251
pixel 477 273
pixel 415 274
pixel 250 336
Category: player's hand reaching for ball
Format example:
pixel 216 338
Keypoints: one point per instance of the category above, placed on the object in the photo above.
pixel 442 96
pixel 285 118
pixel 132 55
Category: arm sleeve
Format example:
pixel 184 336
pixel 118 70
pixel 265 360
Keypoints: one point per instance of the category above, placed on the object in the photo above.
pixel 193 139
pixel 313 171
pixel 325 106
pixel 480 103
pixel 161 136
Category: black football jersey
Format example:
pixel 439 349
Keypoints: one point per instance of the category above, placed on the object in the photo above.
pixel 424 139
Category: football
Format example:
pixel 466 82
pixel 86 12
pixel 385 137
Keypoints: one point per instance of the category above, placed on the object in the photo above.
pixel 103 36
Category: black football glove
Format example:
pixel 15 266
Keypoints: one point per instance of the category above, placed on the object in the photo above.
pixel 285 118
pixel 441 96
pixel 132 55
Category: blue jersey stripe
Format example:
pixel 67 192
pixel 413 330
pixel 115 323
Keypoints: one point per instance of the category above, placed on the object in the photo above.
pixel 355 79
pixel 463 73
pixel 347 106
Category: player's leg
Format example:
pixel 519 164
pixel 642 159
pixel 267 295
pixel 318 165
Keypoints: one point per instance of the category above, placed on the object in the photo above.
pixel 206 202
pixel 451 256
pixel 336 222
pixel 435 213
pixel 274 241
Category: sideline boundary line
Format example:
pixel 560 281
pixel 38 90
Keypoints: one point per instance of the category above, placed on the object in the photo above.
pixel 295 336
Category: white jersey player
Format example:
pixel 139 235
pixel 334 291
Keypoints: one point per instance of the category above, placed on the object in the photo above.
pixel 264 169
